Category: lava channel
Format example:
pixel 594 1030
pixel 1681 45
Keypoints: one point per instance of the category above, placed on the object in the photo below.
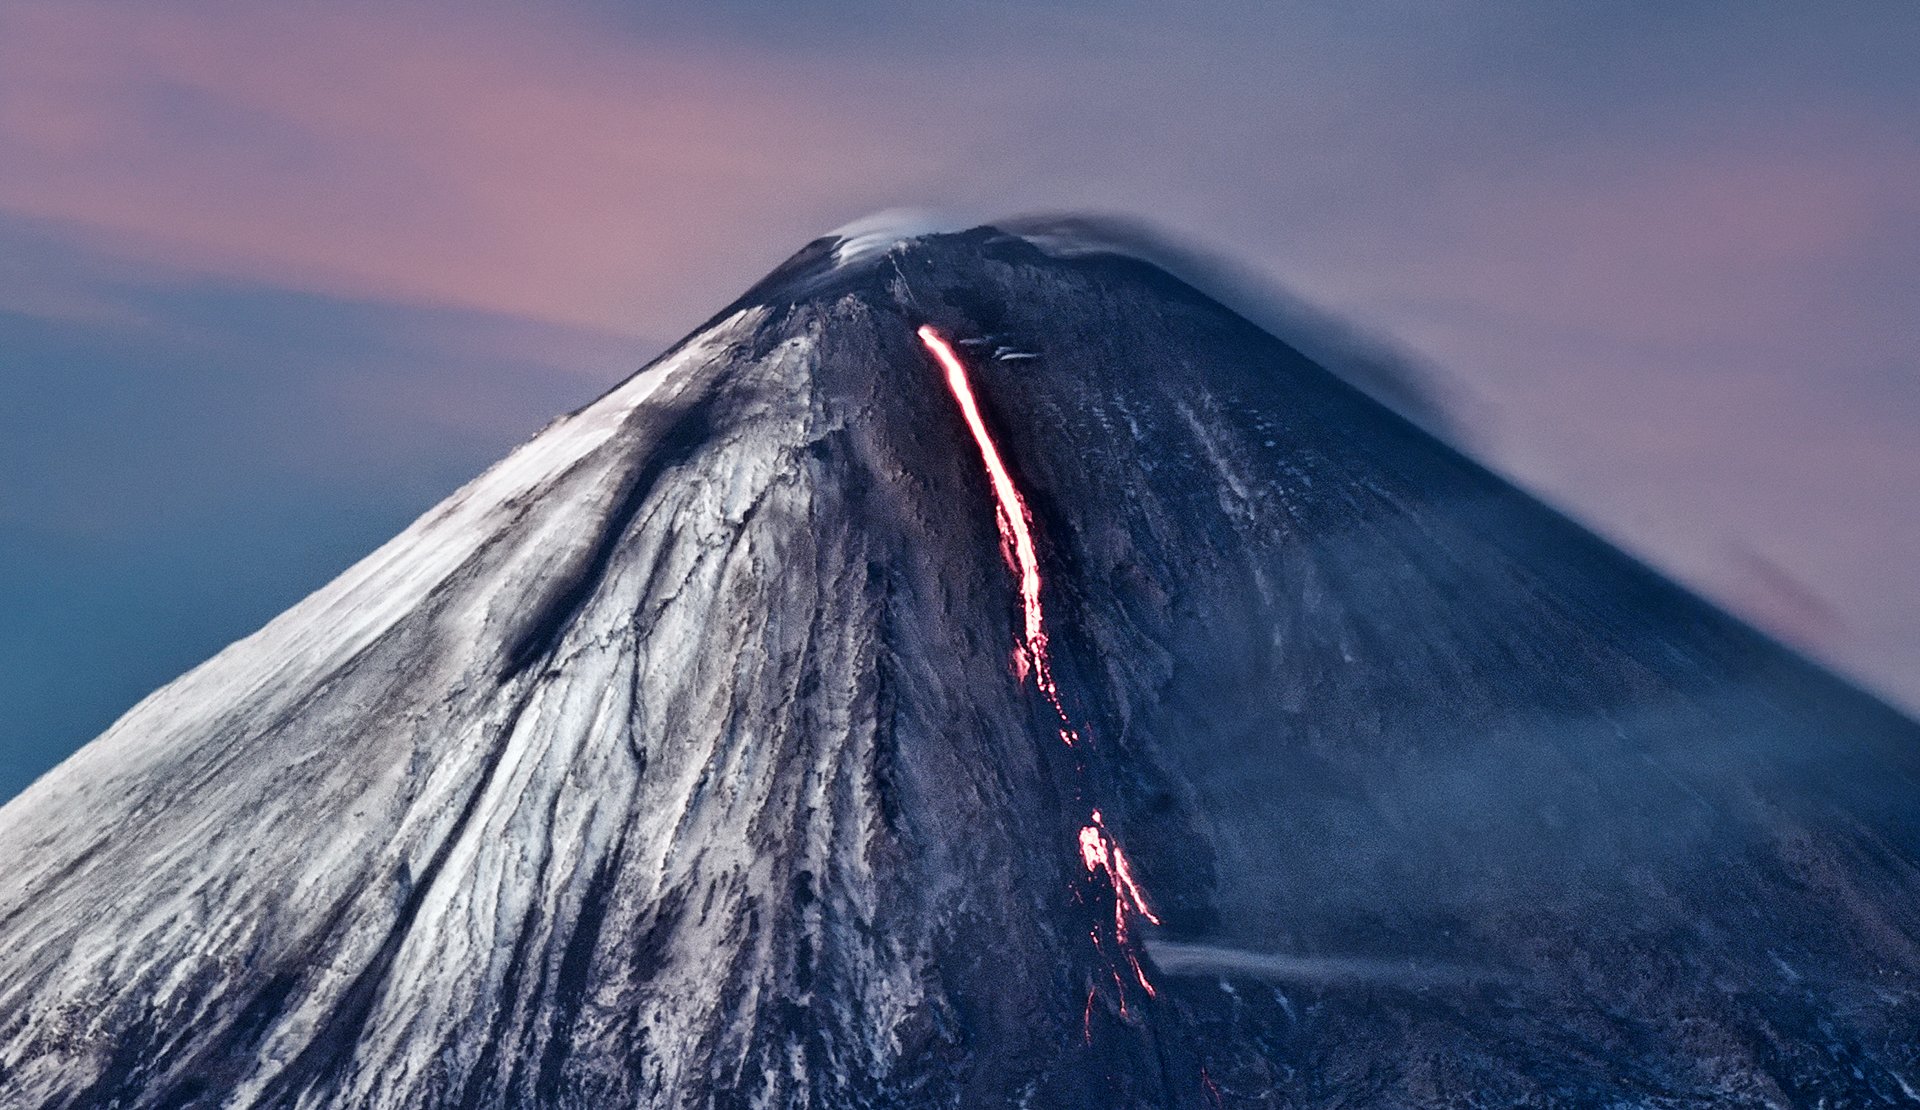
pixel 1101 854
pixel 1016 533
pixel 1099 851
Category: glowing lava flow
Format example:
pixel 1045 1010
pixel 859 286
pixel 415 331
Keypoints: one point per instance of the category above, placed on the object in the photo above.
pixel 1099 851
pixel 1016 531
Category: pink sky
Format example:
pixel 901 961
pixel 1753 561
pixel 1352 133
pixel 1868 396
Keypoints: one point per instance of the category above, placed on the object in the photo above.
pixel 1674 270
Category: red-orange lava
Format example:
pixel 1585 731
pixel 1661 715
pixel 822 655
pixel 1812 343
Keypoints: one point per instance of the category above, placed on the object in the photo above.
pixel 1212 1088
pixel 1099 851
pixel 1016 533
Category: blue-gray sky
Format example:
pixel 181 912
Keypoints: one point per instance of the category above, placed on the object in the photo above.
pixel 274 278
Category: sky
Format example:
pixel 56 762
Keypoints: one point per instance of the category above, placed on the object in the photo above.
pixel 276 278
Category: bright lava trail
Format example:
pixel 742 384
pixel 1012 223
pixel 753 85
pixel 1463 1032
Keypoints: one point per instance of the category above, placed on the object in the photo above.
pixel 1099 850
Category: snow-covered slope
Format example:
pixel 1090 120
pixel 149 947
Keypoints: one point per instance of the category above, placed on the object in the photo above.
pixel 694 756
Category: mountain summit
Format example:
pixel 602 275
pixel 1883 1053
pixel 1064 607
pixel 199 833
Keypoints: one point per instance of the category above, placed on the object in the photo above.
pixel 977 671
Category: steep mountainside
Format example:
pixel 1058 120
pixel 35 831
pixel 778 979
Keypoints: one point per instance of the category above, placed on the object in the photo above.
pixel 972 674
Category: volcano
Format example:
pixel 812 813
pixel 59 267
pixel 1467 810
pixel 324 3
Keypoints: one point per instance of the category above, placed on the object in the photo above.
pixel 978 670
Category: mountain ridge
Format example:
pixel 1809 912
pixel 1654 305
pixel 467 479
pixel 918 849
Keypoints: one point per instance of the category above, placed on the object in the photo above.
pixel 685 758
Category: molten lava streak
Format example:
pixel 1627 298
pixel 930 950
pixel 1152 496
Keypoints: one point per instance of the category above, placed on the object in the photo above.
pixel 1099 851
pixel 1016 530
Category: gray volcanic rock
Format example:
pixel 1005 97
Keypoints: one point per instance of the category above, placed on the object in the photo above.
pixel 681 760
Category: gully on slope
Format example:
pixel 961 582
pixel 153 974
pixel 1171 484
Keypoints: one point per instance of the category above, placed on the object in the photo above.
pixel 1099 850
